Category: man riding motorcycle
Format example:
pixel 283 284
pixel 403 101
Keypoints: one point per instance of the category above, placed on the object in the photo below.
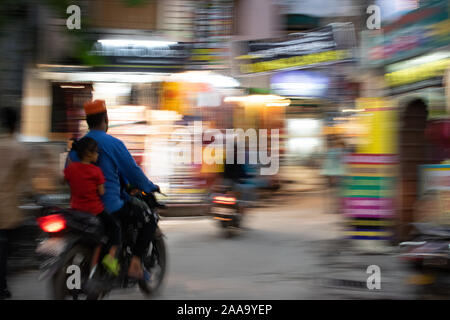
pixel 236 177
pixel 118 166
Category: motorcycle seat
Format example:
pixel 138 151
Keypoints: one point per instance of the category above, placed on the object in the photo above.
pixel 79 220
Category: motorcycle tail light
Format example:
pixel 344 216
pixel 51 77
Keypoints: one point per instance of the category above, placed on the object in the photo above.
pixel 53 223
pixel 224 200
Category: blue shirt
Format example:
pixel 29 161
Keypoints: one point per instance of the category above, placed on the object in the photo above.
pixel 116 163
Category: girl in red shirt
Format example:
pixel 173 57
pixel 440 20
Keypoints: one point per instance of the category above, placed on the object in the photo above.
pixel 86 182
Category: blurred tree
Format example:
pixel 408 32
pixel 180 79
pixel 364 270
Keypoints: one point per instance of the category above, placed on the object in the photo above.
pixel 19 25
pixel 15 43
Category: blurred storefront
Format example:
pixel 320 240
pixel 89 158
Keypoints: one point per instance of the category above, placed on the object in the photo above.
pixel 144 76
pixel 304 123
pixel 412 53
pixel 261 119
pixel 310 68
pixel 147 112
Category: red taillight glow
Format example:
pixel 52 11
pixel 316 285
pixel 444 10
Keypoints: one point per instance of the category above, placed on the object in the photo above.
pixel 224 200
pixel 411 258
pixel 52 223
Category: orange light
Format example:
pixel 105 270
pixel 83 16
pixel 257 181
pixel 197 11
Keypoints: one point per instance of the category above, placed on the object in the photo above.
pixel 223 219
pixel 224 200
pixel 53 223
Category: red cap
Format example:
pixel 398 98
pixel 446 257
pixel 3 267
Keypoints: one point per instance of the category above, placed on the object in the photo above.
pixel 93 107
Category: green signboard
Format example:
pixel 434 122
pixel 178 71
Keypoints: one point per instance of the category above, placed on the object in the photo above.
pixel 422 30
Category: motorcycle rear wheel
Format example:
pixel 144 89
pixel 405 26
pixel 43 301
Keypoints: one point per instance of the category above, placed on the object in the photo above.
pixel 156 263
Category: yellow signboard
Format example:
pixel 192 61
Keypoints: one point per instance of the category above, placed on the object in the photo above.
pixel 297 61
pixel 171 97
pixel 417 73
pixel 378 118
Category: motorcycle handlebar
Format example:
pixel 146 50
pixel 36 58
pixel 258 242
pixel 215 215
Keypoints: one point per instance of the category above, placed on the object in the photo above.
pixel 149 197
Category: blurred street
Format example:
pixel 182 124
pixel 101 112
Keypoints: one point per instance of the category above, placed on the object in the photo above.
pixel 294 149
pixel 290 249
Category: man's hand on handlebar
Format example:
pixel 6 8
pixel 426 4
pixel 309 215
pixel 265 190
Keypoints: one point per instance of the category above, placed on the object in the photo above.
pixel 151 199
pixel 132 190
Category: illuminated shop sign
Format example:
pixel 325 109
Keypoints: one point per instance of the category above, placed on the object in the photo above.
pixel 416 70
pixel 138 49
pixel 162 56
pixel 298 50
pixel 309 60
pixel 299 84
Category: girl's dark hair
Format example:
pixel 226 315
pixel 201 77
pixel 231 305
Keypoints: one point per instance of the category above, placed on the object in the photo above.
pixel 83 146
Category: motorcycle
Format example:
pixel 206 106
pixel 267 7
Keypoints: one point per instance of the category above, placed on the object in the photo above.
pixel 428 256
pixel 72 238
pixel 226 208
pixel 24 239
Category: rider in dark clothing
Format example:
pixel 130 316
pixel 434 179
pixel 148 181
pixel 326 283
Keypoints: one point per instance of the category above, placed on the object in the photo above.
pixel 235 175
pixel 235 172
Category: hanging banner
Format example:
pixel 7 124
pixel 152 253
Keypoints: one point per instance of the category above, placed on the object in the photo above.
pixel 422 30
pixel 369 187
pixel 435 179
pixel 412 71
pixel 327 45
pixel 140 55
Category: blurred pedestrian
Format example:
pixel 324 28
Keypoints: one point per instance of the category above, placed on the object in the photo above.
pixel 333 169
pixel 13 173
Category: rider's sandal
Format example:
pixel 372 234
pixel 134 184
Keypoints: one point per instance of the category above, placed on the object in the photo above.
pixel 135 273
pixel 144 275
pixel 111 264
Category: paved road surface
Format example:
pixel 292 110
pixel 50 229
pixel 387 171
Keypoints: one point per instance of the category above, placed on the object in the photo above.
pixel 286 252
